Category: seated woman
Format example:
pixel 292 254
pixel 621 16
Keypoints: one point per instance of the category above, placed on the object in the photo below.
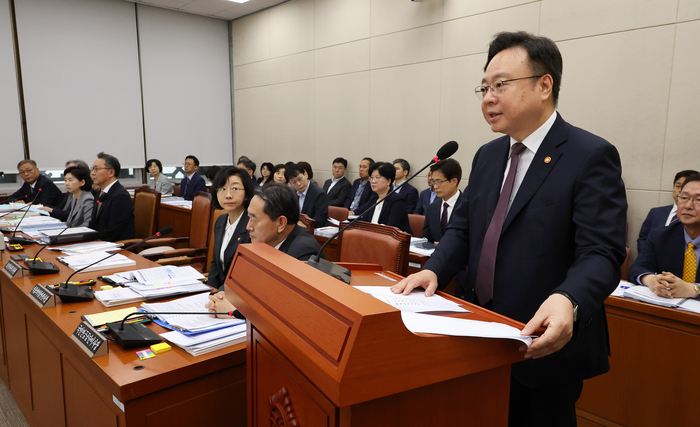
pixel 160 182
pixel 80 201
pixel 392 211
pixel 233 189
pixel 266 172
pixel 278 173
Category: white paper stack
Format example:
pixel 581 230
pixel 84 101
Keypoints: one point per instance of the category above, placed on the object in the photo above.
pixel 189 322
pixel 209 341
pixel 177 201
pixel 85 248
pixel 76 262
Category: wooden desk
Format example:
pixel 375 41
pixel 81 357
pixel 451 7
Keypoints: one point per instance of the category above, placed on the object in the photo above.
pixel 177 217
pixel 654 375
pixel 56 384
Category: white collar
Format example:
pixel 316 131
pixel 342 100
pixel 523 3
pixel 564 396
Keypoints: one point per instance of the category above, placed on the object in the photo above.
pixel 534 140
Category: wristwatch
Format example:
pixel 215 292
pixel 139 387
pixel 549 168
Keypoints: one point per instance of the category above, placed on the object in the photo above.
pixel 575 304
pixel 697 290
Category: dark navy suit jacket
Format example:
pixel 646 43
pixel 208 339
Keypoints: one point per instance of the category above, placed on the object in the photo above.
pixel 655 219
pixel 366 194
pixel 409 193
pixel 339 193
pixel 114 221
pixel 393 211
pixel 195 185
pixel 423 202
pixel 316 205
pixel 662 251
pixel 564 231
pixel 50 194
pixel 219 270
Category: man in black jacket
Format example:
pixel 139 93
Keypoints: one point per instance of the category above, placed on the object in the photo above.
pixel 49 195
pixel 338 188
pixel 312 199
pixel 113 214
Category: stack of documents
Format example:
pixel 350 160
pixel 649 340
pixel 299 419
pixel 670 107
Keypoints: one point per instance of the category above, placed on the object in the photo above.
pixel 149 283
pixel 326 231
pixel 416 246
pixel 197 334
pixel 76 262
pixel 86 248
pixel 176 201
pixel 643 293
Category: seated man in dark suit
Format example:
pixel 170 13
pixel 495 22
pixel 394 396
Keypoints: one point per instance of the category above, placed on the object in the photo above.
pixel 273 214
pixel 338 188
pixel 193 183
pixel 49 195
pixel 361 191
pixel 113 214
pixel 664 215
pixel 426 198
pixel 409 192
pixel 312 200
pixel 668 261
pixel 249 166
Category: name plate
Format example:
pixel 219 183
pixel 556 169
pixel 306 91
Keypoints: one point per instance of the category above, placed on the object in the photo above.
pixel 91 341
pixel 42 296
pixel 13 269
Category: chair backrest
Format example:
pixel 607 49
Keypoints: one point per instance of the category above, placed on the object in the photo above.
pixel 201 216
pixel 176 190
pixel 416 222
pixel 340 214
pixel 376 244
pixel 146 212
pixel 308 222
pixel 215 214
pixel 625 267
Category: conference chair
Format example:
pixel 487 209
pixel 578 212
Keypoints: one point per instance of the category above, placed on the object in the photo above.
pixel 416 222
pixel 146 213
pixel 338 213
pixel 198 240
pixel 215 214
pixel 176 190
pixel 308 222
pixel 365 242
pixel 624 268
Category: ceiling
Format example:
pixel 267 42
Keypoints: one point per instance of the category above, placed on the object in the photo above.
pixel 222 9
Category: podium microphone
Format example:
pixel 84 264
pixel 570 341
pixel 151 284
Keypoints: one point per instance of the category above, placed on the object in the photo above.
pixel 14 238
pixel 136 335
pixel 41 267
pixel 81 293
pixel 342 273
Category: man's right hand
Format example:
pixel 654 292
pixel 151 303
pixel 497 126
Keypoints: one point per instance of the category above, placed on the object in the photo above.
pixel 424 279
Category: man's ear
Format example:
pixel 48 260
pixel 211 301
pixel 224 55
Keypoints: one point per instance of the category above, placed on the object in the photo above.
pixel 281 223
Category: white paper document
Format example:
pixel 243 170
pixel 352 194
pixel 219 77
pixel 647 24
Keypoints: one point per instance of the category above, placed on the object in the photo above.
pixel 415 302
pixel 184 322
pixel 643 293
pixel 621 288
pixel 167 275
pixel 430 324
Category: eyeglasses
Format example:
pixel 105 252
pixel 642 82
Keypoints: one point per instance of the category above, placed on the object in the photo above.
pixel 375 179
pixel 26 171
pixel 224 190
pixel 95 168
pixel 188 164
pixel 497 87
pixel 682 200
pixel 437 182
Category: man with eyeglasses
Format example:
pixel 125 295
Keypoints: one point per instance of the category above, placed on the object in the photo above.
pixel 312 199
pixel 49 195
pixel 338 188
pixel 113 214
pixel 665 215
pixel 541 227
pixel 668 262
pixel 192 183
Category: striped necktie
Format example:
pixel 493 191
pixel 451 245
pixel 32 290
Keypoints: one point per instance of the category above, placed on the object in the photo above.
pixel 443 219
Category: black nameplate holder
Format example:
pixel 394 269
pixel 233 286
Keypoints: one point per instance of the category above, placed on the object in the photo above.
pixel 92 342
pixel 13 269
pixel 43 297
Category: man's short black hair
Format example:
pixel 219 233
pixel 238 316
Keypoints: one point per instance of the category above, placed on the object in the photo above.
pixel 370 160
pixel 341 160
pixel 80 173
pixel 448 167
pixel 248 164
pixel 684 174
pixel 292 171
pixel 280 200
pixel 111 162
pixel 690 178
pixel 157 162
pixel 222 177
pixel 543 53
pixel 307 168
pixel 194 159
pixel 385 169
pixel 404 164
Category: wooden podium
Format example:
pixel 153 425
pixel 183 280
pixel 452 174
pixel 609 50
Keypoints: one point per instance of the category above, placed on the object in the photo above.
pixel 321 353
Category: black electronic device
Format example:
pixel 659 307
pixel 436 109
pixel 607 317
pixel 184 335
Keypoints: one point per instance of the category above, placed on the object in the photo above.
pixel 40 267
pixel 342 273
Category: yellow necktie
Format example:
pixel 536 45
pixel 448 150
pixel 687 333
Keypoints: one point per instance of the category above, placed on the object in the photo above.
pixel 690 264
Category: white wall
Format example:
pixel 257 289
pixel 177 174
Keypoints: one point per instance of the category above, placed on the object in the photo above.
pixel 314 80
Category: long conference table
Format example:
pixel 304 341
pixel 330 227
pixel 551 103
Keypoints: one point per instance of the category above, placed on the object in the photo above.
pixel 55 383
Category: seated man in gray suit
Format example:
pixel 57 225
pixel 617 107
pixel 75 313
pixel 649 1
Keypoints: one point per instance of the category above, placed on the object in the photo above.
pixel 273 214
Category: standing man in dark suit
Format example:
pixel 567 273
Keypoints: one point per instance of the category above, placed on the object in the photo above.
pixel 665 215
pixel 668 262
pixel 193 183
pixel 541 227
pixel 361 191
pixel 409 192
pixel 273 214
pixel 34 181
pixel 426 198
pixel 338 188
pixel 113 214
pixel 312 200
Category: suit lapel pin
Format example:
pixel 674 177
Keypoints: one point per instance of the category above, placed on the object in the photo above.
pixel 547 159
pixel 239 239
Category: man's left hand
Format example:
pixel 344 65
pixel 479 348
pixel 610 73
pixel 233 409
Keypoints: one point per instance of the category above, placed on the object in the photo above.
pixel 556 314
pixel 677 287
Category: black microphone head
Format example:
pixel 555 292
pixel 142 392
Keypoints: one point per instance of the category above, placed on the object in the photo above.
pixel 166 230
pixel 447 150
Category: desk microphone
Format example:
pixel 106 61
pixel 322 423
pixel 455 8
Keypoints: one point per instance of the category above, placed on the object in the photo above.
pixel 81 293
pixel 135 335
pixel 41 267
pixel 14 238
pixel 342 273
